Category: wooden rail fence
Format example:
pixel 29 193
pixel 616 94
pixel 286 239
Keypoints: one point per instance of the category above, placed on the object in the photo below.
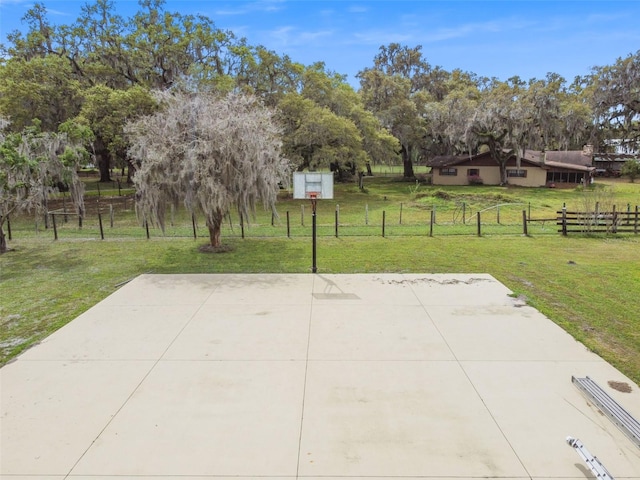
pixel 614 221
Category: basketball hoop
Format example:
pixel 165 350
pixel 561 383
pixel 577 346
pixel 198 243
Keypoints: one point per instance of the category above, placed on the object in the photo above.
pixel 313 196
pixel 313 186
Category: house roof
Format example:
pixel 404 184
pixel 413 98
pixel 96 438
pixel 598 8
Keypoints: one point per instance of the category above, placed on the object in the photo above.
pixel 615 157
pixel 570 160
pixel 452 160
pixel 447 160
pixel 573 157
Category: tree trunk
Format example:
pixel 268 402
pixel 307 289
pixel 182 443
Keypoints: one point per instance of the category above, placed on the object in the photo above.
pixel 500 156
pixel 503 173
pixel 103 158
pixel 130 171
pixel 214 224
pixel 104 164
pixel 3 239
pixel 407 163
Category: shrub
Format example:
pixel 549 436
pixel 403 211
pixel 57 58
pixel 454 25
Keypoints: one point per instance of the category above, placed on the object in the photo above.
pixel 442 195
pixel 631 169
pixel 475 180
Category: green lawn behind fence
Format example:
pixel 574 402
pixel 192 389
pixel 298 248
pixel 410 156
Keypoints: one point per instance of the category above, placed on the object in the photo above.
pixel 589 285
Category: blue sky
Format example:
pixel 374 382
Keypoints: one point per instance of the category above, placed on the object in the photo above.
pixel 495 39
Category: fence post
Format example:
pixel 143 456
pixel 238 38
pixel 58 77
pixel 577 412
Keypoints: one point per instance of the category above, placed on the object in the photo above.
pixel 431 224
pixel 111 215
pixel 146 227
pixel 64 206
pixel 100 223
pixel 498 214
pixel 524 223
pixel 193 224
pixel 46 212
pixel 614 220
pixel 564 220
pixel 55 228
pixel 383 221
pixel 400 213
pixel 302 215
pixel 288 226
pixel 336 223
pixel 635 222
pixel 366 214
pixel 242 226
pixel 80 213
pixel 479 227
pixel 9 224
pixel 464 213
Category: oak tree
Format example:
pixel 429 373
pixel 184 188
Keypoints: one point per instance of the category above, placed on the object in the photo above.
pixel 34 164
pixel 397 89
pixel 212 153
pixel 616 100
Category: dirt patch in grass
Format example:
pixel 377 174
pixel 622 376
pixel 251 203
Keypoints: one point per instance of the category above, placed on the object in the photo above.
pixel 221 249
pixel 623 387
pixel 474 197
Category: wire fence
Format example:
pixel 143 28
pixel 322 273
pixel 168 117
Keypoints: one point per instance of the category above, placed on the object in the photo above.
pixel 115 218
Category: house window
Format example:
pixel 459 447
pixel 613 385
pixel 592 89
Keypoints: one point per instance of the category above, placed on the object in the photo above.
pixel 449 171
pixel 473 172
pixel 517 173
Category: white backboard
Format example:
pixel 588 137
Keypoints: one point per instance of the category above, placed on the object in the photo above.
pixel 313 184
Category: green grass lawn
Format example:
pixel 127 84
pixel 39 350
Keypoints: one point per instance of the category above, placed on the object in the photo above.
pixel 588 285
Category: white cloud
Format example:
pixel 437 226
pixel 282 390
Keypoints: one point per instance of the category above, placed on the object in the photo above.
pixel 422 32
pixel 357 9
pixel 289 36
pixel 59 13
pixel 14 2
pixel 252 7
pixel 600 18
pixel 381 37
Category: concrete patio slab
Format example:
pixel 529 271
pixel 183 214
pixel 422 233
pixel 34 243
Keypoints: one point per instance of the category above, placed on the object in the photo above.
pixel 540 408
pixel 52 411
pixel 362 289
pixel 524 334
pixel 263 289
pixel 423 419
pixel 244 332
pixel 308 376
pixel 388 332
pixel 229 418
pixel 165 290
pixel 116 332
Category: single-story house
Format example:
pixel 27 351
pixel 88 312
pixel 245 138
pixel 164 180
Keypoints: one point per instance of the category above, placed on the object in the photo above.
pixel 537 168
pixel 610 164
